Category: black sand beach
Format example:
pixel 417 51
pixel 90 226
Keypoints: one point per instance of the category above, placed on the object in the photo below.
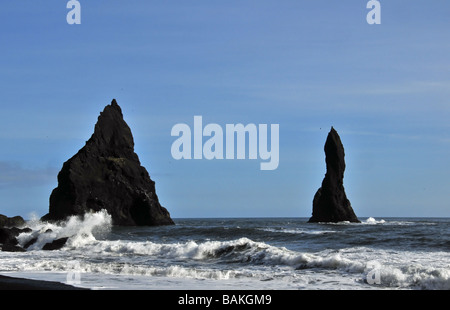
pixel 11 283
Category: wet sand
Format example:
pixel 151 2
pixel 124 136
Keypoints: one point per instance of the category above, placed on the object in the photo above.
pixel 11 283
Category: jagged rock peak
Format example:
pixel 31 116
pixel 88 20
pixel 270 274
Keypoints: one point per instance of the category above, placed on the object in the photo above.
pixel 330 203
pixel 334 154
pixel 111 132
pixel 106 174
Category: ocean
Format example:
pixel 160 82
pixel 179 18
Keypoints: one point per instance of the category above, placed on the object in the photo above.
pixel 240 254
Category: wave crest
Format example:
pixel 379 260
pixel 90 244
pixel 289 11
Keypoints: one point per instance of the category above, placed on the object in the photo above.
pixel 79 229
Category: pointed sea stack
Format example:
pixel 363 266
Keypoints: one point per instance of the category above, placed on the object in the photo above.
pixel 106 175
pixel 330 202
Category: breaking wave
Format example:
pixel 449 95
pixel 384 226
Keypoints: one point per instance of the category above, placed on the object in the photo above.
pixel 244 252
pixel 78 229
pixel 373 221
pixel 244 258
pixel 135 253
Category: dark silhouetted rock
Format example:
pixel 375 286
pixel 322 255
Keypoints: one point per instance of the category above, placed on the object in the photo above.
pixel 19 284
pixel 30 242
pixel 9 230
pixel 106 174
pixel 12 248
pixel 330 202
pixel 8 235
pixel 8 238
pixel 55 244
pixel 16 221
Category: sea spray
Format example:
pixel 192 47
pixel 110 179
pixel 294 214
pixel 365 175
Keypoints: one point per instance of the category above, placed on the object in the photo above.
pixel 79 229
pixel 239 250
pixel 277 253
pixel 82 229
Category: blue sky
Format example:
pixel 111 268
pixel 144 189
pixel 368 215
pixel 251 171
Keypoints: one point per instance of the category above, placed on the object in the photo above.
pixel 305 65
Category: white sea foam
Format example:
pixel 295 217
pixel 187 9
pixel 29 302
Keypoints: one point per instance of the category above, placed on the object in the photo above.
pixel 396 272
pixel 373 221
pixel 246 259
pixel 242 249
pixel 298 231
pixel 239 262
pixel 404 269
pixel 393 222
pixel 79 230
pixel 414 276
pixel 368 221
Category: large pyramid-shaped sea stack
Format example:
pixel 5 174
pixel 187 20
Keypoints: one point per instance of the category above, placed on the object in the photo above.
pixel 330 202
pixel 106 175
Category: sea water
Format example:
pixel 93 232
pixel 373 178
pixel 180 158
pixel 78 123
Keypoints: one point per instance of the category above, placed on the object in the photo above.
pixel 239 253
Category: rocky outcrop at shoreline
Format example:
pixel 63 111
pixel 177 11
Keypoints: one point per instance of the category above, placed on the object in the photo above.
pixel 15 221
pixel 330 202
pixel 106 174
pixel 11 228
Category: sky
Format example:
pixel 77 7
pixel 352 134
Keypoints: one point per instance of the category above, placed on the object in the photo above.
pixel 305 65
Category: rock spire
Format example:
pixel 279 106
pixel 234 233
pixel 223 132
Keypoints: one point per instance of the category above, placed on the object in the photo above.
pixel 330 202
pixel 106 174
